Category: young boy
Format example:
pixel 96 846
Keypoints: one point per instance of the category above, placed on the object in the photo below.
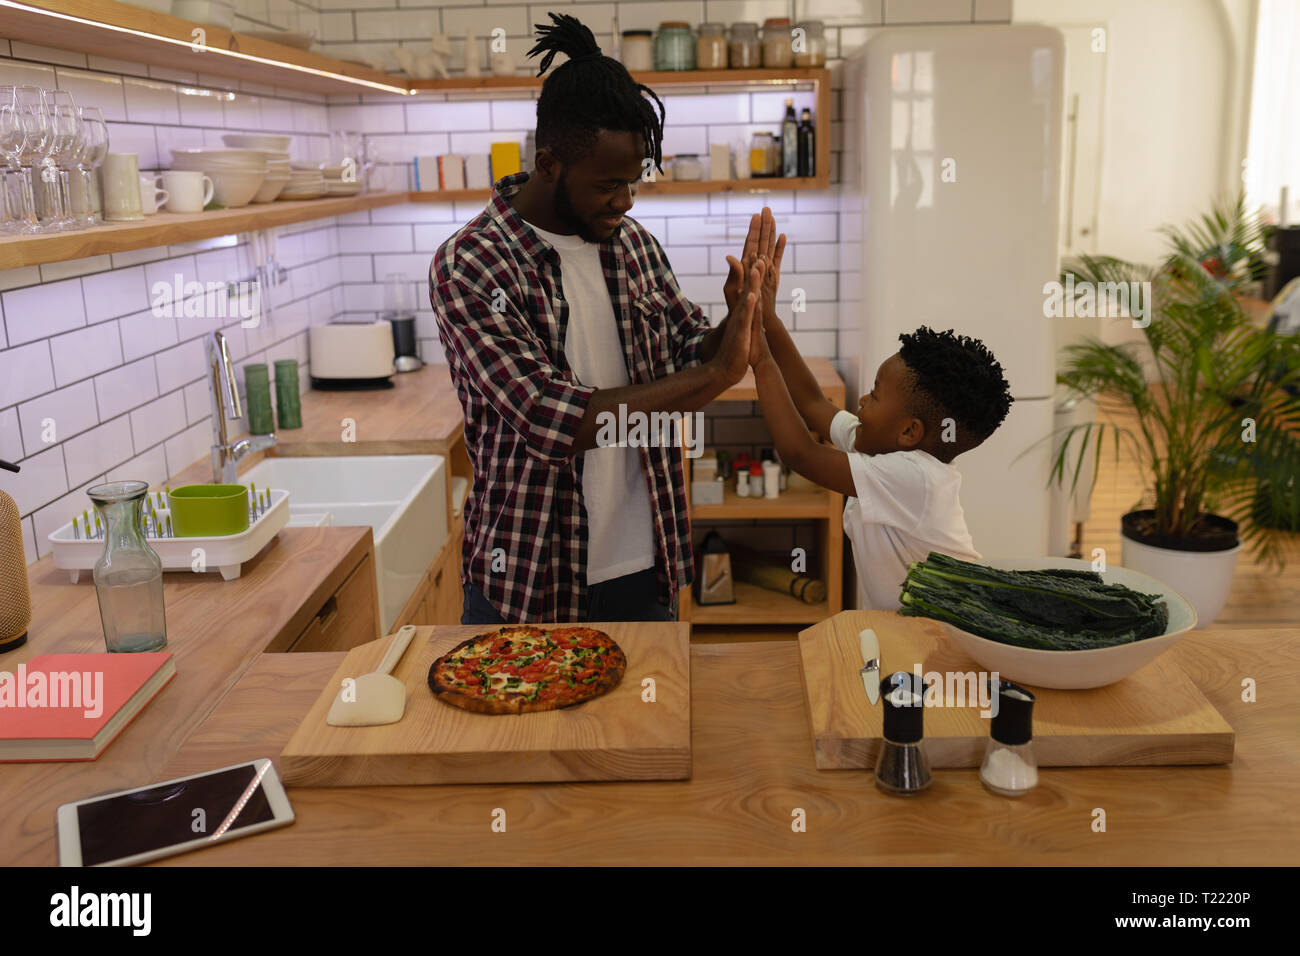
pixel 941 394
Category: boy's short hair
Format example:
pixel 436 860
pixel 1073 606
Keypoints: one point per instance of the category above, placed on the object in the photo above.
pixel 955 376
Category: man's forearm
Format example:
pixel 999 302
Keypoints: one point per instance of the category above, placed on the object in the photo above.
pixel 686 391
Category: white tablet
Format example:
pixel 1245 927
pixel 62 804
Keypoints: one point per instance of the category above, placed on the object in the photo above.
pixel 176 816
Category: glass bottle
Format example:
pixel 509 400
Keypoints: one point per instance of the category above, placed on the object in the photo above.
pixel 902 766
pixel 760 150
pixel 807 145
pixel 813 52
pixel 789 141
pixel 1009 766
pixel 778 51
pixel 128 575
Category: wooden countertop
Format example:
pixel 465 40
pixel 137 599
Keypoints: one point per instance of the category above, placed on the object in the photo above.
pixel 216 629
pixel 753 765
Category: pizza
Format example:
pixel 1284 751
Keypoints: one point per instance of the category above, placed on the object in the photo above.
pixel 522 670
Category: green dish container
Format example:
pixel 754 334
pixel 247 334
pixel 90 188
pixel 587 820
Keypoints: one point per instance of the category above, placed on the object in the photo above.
pixel 208 511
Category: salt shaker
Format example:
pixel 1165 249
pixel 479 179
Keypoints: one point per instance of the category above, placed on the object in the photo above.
pixel 902 767
pixel 1009 767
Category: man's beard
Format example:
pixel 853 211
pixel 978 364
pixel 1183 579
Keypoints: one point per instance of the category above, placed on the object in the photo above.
pixel 567 214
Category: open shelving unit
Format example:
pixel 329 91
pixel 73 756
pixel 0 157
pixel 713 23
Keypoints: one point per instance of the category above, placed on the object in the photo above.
pixel 166 228
pixel 801 501
pixel 133 33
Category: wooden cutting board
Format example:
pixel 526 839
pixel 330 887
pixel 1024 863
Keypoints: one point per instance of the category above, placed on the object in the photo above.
pixel 618 736
pixel 1154 716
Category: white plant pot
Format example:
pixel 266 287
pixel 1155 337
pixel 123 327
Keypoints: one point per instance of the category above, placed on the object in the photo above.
pixel 1204 578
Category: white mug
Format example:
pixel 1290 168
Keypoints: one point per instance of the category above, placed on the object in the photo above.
pixel 188 190
pixel 151 195
pixel 121 176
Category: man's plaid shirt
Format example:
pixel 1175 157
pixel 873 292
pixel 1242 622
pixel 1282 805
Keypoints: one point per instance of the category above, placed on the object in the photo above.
pixel 497 297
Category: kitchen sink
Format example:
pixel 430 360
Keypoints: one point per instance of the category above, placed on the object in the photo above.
pixel 403 498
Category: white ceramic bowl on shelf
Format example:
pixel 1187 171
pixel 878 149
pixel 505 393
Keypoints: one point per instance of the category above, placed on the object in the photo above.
pixel 270 189
pixel 263 141
pixel 1077 670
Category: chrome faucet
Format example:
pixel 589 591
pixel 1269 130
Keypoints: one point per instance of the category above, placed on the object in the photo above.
pixel 225 401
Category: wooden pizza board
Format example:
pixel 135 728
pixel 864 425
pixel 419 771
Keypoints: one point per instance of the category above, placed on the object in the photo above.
pixel 1154 716
pixel 617 736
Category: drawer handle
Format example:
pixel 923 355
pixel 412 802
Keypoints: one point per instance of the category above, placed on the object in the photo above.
pixel 328 613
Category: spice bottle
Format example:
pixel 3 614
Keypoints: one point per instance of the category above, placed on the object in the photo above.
pixel 755 479
pixel 902 767
pixel 1009 767
pixel 742 482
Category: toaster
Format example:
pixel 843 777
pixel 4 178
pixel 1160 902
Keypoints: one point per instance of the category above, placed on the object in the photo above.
pixel 351 355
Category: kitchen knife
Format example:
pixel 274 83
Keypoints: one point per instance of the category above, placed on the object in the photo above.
pixel 870 669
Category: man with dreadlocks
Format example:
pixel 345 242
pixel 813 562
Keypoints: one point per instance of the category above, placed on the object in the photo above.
pixel 556 311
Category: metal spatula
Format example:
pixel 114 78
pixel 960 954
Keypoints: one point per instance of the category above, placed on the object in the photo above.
pixel 374 698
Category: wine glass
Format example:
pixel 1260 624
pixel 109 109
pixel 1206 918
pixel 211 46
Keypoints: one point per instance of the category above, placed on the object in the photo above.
pixel 66 125
pixel 37 141
pixel 94 147
pixel 12 135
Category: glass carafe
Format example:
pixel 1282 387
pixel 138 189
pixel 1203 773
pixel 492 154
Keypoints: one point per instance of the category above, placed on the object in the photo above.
pixel 128 575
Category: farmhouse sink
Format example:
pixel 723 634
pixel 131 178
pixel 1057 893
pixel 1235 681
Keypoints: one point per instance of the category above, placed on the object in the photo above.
pixel 403 498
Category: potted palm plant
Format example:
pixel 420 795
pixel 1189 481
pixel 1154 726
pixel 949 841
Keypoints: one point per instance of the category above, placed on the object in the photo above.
pixel 1218 430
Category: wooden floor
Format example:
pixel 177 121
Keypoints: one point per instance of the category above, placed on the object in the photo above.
pixel 1260 596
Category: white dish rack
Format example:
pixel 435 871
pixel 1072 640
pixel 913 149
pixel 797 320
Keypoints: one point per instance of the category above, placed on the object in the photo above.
pixel 225 553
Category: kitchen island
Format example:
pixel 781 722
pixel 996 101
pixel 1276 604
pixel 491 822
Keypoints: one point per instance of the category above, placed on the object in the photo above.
pixel 752 769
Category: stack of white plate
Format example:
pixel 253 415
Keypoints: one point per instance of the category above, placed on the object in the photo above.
pixel 338 186
pixel 306 181
pixel 237 174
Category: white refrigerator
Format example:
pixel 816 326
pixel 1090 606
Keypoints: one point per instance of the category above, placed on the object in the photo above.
pixel 950 207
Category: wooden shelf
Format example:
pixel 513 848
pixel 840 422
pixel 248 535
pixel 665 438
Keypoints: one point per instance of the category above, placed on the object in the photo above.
pixel 661 188
pixel 755 605
pixel 801 499
pixel 651 78
pixel 832 385
pixel 125 32
pixel 166 228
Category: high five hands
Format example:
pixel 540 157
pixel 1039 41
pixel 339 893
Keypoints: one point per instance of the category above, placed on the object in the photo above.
pixel 763 249
pixel 762 244
pixel 742 333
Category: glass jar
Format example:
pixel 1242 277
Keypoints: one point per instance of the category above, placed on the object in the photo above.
pixel 128 575
pixel 675 46
pixel 638 50
pixel 778 52
pixel 743 50
pixel 711 47
pixel 761 148
pixel 687 167
pixel 813 52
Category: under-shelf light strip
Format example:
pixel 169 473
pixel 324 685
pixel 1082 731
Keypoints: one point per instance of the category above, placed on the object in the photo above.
pixel 186 43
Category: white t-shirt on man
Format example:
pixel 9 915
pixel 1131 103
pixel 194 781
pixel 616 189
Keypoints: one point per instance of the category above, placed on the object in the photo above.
pixel 620 537
pixel 906 506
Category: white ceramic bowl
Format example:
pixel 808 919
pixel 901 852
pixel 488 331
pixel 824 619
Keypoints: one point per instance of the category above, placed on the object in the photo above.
pixel 262 141
pixel 235 189
pixel 271 187
pixel 1077 670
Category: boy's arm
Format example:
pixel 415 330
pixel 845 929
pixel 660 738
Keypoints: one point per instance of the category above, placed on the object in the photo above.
pixel 826 466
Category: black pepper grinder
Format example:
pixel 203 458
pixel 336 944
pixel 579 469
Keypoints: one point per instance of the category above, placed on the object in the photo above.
pixel 902 767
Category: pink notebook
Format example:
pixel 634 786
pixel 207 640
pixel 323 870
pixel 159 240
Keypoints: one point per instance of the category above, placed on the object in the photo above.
pixel 71 706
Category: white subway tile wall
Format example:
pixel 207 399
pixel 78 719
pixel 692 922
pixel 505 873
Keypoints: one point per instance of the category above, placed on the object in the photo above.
pixel 98 382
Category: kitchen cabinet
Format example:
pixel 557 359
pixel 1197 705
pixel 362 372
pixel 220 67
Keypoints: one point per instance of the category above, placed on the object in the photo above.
pixel 439 598
pixel 348 617
pixel 801 501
